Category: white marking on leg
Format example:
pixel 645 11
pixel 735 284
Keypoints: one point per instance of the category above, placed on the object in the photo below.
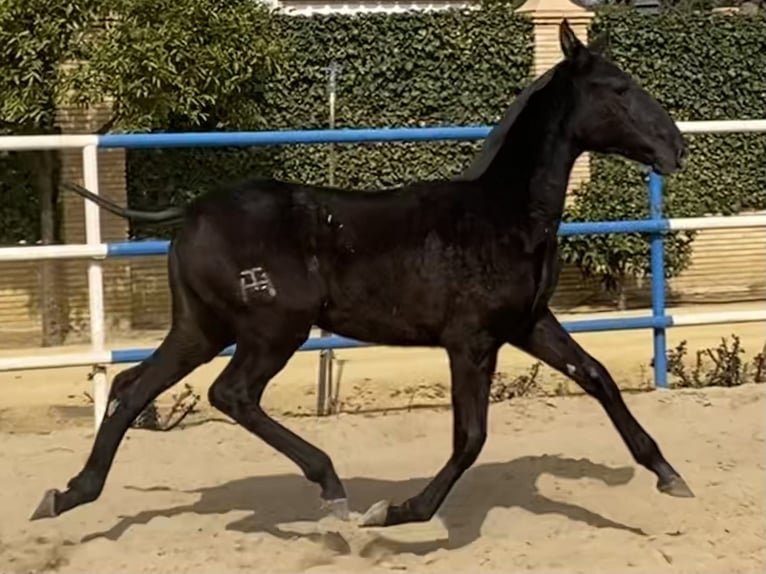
pixel 111 407
pixel 571 369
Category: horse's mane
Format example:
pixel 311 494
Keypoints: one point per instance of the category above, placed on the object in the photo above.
pixel 497 135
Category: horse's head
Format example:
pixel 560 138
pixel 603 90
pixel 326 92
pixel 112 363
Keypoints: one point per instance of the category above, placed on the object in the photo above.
pixel 613 114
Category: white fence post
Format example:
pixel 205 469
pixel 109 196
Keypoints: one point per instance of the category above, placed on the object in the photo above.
pixel 95 282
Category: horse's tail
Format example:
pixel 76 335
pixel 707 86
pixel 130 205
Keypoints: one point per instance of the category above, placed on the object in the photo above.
pixel 169 215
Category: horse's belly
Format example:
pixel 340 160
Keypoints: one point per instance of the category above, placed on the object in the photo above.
pixel 385 311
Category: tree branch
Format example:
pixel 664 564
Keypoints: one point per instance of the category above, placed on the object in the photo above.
pixel 108 125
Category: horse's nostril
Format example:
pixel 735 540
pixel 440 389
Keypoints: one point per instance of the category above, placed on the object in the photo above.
pixel 682 153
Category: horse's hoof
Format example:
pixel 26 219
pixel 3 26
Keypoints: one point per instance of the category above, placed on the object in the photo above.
pixel 376 515
pixel 338 507
pixel 676 486
pixel 47 506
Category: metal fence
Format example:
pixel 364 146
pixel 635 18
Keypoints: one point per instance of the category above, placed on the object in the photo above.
pixel 94 250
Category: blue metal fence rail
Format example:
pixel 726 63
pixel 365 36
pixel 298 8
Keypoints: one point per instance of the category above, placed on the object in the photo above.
pixel 338 342
pixel 292 137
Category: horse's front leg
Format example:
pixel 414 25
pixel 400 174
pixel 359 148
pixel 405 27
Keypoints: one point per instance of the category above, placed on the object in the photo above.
pixel 471 367
pixel 549 342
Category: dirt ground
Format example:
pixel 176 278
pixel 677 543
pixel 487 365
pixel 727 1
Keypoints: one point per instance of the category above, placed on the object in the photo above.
pixel 554 490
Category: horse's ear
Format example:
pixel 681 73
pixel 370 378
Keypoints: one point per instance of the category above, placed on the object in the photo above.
pixel 570 44
pixel 600 44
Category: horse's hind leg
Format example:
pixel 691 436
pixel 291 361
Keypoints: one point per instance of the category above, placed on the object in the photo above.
pixel 549 342
pixel 472 363
pixel 196 336
pixel 237 393
pixel 182 351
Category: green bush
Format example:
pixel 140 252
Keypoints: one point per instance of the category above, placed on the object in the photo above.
pixel 208 61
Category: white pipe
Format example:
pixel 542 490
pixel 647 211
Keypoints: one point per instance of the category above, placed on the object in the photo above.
pixel 717 222
pixel 55 361
pixel 37 252
pixel 722 126
pixel 720 317
pixel 19 143
pixel 95 281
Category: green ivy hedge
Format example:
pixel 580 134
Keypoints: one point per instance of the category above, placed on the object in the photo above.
pixel 703 67
pixel 412 69
pixel 700 66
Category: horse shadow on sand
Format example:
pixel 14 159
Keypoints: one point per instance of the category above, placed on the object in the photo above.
pixel 275 501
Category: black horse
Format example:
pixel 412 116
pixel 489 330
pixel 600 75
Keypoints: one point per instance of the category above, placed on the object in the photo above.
pixel 467 265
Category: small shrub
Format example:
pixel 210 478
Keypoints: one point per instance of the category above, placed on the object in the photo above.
pixel 184 404
pixel 525 385
pixel 721 366
pixel 148 419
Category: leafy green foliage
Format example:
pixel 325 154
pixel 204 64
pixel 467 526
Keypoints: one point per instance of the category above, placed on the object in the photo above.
pixel 203 63
pixel 411 69
pixel 700 67
pixel 35 37
pixel 456 67
pixel 698 5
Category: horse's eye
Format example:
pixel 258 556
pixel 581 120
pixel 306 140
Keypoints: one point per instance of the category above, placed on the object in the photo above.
pixel 620 89
pixel 616 86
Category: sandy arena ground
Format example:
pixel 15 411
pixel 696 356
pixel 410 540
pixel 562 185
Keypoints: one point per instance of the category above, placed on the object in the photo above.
pixel 555 489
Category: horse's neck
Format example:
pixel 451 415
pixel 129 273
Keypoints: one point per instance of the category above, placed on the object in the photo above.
pixel 532 170
pixel 548 181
